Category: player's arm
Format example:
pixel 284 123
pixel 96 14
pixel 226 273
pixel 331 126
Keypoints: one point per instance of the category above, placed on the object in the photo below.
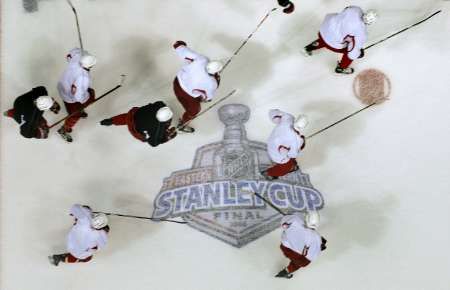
pixel 73 54
pixel 78 211
pixel 293 152
pixel 80 89
pixel 355 46
pixel 283 150
pixel 185 52
pixel 276 115
pixel 203 94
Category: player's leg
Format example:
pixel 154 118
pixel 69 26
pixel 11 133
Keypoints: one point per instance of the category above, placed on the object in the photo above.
pixel 280 169
pixel 118 120
pixel 315 45
pixel 73 109
pixel 9 113
pixel 343 67
pixel 67 258
pixel 191 106
pixel 297 261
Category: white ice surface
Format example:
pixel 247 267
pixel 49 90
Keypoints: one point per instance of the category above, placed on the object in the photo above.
pixel 384 173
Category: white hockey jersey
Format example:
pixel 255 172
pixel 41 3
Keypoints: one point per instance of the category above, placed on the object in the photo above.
pixel 299 238
pixel 284 142
pixel 193 77
pixel 83 240
pixel 74 75
pixel 345 30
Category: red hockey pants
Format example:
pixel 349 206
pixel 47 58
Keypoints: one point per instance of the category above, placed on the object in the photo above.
pixel 282 169
pixel 75 109
pixel 345 61
pixel 72 259
pixel 128 119
pixel 297 260
pixel 190 104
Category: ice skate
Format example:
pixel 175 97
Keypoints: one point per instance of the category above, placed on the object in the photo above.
pixel 284 274
pixel 268 177
pixel 294 169
pixel 83 114
pixel 65 135
pixel 106 122
pixel 56 259
pixel 308 50
pixel 185 128
pixel 340 70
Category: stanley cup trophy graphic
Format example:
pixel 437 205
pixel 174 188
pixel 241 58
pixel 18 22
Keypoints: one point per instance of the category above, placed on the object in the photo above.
pixel 214 196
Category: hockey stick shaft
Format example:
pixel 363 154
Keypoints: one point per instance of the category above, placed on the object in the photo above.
pixel 78 25
pixel 141 217
pixel 269 203
pixel 403 30
pixel 212 106
pixel 248 38
pixel 96 100
pixel 339 121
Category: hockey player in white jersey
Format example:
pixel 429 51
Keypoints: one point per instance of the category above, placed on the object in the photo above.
pixel 345 33
pixel 88 235
pixel 300 242
pixel 74 87
pixel 285 143
pixel 196 82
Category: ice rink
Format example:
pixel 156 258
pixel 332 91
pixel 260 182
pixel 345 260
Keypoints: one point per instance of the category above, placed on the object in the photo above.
pixel 384 174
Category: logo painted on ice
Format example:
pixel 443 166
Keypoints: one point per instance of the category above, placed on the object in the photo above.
pixel 214 196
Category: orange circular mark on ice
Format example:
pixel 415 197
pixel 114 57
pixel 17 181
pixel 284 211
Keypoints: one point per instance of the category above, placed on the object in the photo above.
pixel 372 86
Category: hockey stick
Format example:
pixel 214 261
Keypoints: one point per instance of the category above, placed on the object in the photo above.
pixel 96 100
pixel 141 217
pixel 210 107
pixel 248 38
pixel 78 25
pixel 403 30
pixel 269 203
pixel 341 120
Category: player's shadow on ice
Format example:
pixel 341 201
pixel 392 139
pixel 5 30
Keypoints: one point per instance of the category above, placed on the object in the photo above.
pixel 299 32
pixel 322 114
pixel 45 69
pixel 251 67
pixel 240 7
pixel 135 56
pixel 356 224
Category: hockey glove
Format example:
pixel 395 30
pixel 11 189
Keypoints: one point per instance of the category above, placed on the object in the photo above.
pixel 56 107
pixel 179 43
pixel 362 53
pixel 323 246
pixel 289 6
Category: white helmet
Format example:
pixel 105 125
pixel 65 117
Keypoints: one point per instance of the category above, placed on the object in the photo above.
pixel 164 114
pixel 99 220
pixel 214 67
pixel 44 103
pixel 301 122
pixel 370 16
pixel 87 61
pixel 312 220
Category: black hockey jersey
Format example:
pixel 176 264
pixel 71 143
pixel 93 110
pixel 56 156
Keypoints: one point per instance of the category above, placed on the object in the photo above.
pixel 145 122
pixel 27 114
